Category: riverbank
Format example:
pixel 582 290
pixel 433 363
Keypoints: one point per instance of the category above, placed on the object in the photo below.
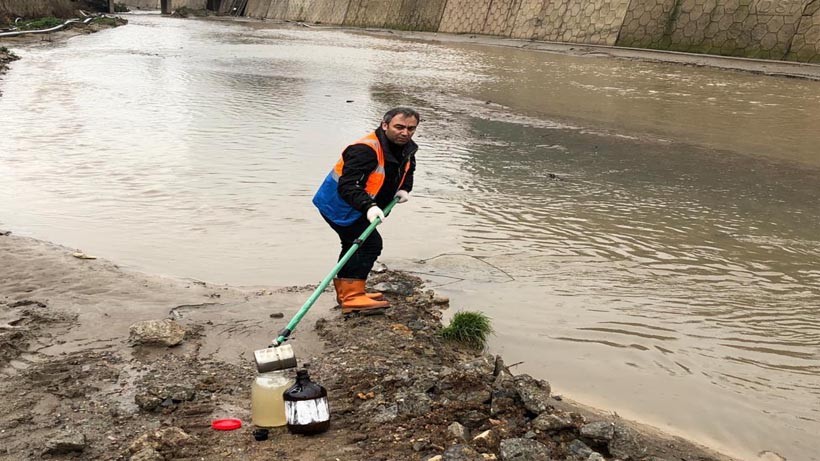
pixel 75 387
pixel 7 44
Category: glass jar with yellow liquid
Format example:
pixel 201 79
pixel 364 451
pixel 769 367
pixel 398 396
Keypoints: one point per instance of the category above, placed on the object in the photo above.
pixel 267 404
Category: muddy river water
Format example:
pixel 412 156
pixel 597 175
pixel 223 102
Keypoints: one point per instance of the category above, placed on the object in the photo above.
pixel 644 235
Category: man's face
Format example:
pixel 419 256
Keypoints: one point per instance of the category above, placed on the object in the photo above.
pixel 401 128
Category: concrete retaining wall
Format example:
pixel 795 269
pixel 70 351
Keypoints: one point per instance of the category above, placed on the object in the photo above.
pixel 192 4
pixel 769 29
pixel 141 4
pixel 173 5
pixel 257 9
pixel 806 42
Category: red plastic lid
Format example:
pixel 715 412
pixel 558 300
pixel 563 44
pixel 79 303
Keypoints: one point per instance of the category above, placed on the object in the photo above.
pixel 226 424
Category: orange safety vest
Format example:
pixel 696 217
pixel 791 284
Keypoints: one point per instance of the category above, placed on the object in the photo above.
pixel 327 198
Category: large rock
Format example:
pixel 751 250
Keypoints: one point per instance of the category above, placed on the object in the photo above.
pixel 600 431
pixel 625 444
pixel 482 366
pixel 534 393
pixel 65 442
pixel 580 449
pixel 521 449
pixel 165 332
pixel 415 404
pixel 397 287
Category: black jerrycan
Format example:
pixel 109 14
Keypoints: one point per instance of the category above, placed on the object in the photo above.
pixel 306 406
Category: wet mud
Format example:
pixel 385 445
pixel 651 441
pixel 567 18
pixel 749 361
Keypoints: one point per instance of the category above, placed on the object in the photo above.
pixel 396 389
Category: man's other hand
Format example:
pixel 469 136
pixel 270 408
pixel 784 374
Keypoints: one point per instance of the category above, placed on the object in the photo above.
pixel 403 196
pixel 375 212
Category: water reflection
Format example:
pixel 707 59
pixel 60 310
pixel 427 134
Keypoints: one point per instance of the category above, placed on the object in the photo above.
pixel 644 235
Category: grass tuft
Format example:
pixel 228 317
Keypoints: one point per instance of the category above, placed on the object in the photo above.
pixel 40 23
pixel 468 328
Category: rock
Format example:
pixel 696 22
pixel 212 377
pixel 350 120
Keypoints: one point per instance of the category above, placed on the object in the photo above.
pixel 277 315
pixel 420 445
pixel 439 300
pixel 148 454
pixel 625 444
pixel 458 431
pixel 596 457
pixel 416 325
pixel 499 367
pixel 435 458
pixel 520 449
pixel 165 439
pixel 398 287
pixel 601 431
pixel 164 332
pixel 379 268
pixel 386 413
pixel 579 448
pixel 545 422
pixel 534 393
pixel 475 397
pixel 486 441
pixel 152 398
pixel 472 418
pixel 461 453
pixel 483 366
pixel 65 442
pixel 502 402
pixel 147 401
pixel 416 404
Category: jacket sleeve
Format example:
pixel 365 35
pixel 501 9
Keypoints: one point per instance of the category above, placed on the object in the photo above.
pixel 408 180
pixel 360 161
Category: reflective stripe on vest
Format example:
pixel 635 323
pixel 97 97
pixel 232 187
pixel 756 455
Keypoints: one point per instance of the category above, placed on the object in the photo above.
pixel 376 178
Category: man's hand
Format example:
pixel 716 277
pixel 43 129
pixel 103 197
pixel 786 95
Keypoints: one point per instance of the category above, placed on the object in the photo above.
pixel 403 196
pixel 375 212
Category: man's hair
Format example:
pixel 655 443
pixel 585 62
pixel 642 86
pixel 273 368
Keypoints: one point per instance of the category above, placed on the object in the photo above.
pixel 406 111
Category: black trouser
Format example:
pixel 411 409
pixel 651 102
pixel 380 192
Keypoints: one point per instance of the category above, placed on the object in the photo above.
pixel 359 265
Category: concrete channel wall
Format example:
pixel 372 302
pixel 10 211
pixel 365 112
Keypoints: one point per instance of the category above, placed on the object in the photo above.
pixel 770 29
pixel 155 4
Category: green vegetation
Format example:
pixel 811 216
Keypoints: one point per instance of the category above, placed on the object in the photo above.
pixel 40 23
pixel 468 328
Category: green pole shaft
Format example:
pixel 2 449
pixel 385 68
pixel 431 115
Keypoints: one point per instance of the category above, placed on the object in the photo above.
pixel 283 335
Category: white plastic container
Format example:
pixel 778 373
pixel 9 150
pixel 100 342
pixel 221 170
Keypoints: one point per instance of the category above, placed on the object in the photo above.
pixel 267 404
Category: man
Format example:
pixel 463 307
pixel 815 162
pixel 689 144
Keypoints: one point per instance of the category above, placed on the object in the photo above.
pixel 371 172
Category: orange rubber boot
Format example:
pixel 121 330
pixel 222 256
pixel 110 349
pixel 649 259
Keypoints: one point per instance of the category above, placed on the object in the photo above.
pixel 354 299
pixel 336 282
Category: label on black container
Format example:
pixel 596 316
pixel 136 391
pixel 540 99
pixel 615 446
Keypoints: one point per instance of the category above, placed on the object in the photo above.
pixel 307 412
